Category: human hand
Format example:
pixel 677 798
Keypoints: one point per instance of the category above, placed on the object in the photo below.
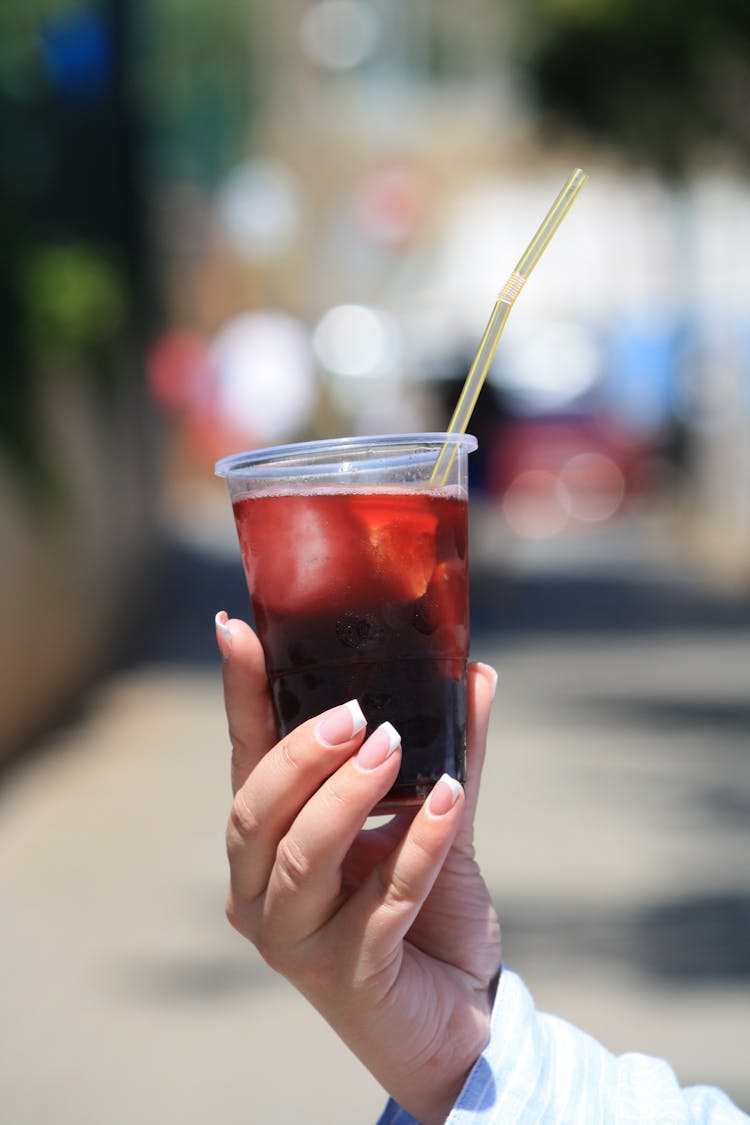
pixel 390 931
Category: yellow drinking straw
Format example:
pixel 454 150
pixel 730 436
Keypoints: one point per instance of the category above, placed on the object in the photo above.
pixel 513 286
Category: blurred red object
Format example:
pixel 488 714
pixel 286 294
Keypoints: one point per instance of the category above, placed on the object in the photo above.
pixel 548 443
pixel 391 202
pixel 594 466
pixel 180 373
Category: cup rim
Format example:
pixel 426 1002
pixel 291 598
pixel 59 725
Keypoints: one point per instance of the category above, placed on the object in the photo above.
pixel 256 458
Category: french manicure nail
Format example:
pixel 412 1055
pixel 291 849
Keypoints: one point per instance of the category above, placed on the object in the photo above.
pixel 341 724
pixel 379 747
pixel 223 634
pixel 488 673
pixel 444 795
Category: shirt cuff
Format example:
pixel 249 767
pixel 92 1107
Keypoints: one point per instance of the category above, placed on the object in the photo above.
pixel 480 1084
pixel 537 1068
pixel 532 1069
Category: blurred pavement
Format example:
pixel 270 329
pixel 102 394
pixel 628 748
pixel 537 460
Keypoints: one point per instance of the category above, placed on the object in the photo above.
pixel 614 833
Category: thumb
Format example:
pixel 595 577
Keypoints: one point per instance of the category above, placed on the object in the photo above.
pixel 247 698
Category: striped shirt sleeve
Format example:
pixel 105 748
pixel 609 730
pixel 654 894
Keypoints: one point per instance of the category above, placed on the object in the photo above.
pixel 539 1070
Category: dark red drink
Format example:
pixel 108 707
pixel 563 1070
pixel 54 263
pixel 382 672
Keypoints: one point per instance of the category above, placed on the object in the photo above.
pixel 363 594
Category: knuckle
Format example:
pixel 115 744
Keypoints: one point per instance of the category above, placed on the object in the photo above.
pixel 289 753
pixel 249 923
pixel 237 916
pixel 241 749
pixel 272 953
pixel 243 824
pixel 395 892
pixel 292 865
pixel 250 926
pixel 335 796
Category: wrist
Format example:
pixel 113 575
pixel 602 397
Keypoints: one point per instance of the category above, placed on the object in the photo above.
pixel 431 1091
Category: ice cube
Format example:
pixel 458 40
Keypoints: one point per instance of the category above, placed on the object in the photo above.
pixel 443 606
pixel 403 544
pixel 300 552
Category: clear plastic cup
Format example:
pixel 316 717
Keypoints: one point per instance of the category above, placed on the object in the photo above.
pixel 357 566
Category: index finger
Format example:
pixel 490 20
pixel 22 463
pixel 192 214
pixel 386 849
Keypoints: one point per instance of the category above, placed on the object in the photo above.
pixel 247 698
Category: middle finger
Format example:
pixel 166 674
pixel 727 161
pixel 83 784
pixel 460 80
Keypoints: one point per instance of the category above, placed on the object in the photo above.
pixel 306 882
pixel 279 786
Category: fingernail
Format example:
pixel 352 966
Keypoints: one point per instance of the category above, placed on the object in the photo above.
pixel 379 747
pixel 444 795
pixel 341 724
pixel 223 635
pixel 489 674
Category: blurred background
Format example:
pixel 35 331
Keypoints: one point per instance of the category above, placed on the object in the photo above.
pixel 239 224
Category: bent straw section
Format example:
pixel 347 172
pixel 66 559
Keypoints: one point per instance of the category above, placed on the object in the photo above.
pixel 513 286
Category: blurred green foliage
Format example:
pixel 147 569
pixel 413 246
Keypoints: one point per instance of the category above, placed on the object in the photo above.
pixel 198 77
pixel 663 80
pixel 75 303
pixel 70 250
pixel 84 139
pixel 20 20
